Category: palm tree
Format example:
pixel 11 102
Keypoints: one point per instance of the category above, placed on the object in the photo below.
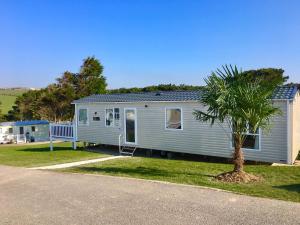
pixel 237 104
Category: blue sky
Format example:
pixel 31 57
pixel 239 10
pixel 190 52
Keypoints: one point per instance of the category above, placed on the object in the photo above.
pixel 146 42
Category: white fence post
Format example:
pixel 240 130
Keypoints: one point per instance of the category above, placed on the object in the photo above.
pixel 51 141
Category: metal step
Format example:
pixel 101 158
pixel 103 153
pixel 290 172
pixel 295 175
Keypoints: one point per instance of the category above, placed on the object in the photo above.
pixel 127 150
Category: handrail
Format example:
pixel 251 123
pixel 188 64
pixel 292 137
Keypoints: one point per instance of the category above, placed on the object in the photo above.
pixel 120 147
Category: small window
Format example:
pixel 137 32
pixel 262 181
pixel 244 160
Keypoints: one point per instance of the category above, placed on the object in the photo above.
pixel 109 117
pixel 173 119
pixel 21 130
pixel 117 116
pixel 96 116
pixel 83 119
pixel 33 128
pixel 10 130
pixel 252 139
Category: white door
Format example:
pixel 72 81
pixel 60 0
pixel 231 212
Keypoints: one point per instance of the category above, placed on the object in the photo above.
pixel 130 126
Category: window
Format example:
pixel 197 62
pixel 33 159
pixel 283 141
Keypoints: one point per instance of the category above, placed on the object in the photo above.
pixel 21 130
pixel 112 117
pixel 83 119
pixel 109 117
pixel 173 119
pixel 0 130
pixel 33 128
pixel 252 140
pixel 96 117
pixel 10 130
pixel 117 116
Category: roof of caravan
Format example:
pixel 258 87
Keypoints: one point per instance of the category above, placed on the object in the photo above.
pixel 280 93
pixel 24 123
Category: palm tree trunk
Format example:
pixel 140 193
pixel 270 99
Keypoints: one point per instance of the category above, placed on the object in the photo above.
pixel 238 156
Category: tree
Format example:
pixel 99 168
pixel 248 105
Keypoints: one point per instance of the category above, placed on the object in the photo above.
pixel 90 79
pixel 271 77
pixel 237 103
pixel 160 87
pixel 53 103
pixel 25 107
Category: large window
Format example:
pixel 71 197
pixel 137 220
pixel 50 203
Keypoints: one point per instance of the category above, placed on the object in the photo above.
pixel 173 118
pixel 83 117
pixel 112 117
pixel 252 140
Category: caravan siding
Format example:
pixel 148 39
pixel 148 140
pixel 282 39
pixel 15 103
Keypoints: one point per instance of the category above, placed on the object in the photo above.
pixel 296 127
pixel 195 137
pixel 40 132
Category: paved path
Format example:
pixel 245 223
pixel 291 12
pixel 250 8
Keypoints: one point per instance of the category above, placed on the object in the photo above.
pixel 46 197
pixel 79 163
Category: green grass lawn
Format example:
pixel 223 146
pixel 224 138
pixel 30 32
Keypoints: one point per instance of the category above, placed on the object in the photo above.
pixel 40 155
pixel 8 98
pixel 279 182
pixel 7 101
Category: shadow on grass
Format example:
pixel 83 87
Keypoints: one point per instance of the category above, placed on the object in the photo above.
pixel 290 187
pixel 139 171
pixel 47 149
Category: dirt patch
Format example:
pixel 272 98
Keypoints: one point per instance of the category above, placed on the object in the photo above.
pixel 238 177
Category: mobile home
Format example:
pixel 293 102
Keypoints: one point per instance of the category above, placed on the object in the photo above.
pixel 36 130
pixel 165 121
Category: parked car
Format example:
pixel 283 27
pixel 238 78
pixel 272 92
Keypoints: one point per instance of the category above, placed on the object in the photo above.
pixel 4 139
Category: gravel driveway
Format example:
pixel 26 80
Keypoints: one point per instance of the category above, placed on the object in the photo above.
pixel 43 197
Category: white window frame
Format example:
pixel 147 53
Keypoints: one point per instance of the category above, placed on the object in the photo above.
pixel 115 116
pixel 181 118
pixel 250 134
pixel 87 117
pixel 113 121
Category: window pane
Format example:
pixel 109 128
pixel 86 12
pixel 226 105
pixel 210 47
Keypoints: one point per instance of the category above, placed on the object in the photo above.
pixel 173 118
pixel 130 125
pixel 21 130
pixel 117 116
pixel 251 142
pixel 83 116
pixel 109 117
pixel 10 130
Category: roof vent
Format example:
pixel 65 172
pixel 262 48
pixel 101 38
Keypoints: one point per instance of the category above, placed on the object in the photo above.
pixel 158 93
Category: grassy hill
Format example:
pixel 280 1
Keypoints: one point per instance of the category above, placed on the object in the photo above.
pixel 8 97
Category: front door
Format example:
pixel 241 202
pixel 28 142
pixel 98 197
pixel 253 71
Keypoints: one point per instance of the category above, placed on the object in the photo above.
pixel 130 126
